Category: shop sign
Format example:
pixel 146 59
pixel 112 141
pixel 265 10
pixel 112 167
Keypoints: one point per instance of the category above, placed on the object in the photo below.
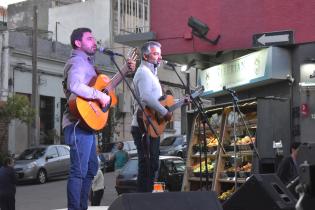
pixel 307 74
pixel 247 70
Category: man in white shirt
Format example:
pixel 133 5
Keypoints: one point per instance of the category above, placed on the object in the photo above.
pixel 148 90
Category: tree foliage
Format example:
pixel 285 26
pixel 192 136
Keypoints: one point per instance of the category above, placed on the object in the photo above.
pixel 17 107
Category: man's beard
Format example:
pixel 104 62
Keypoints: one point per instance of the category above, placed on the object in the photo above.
pixel 90 52
pixel 156 64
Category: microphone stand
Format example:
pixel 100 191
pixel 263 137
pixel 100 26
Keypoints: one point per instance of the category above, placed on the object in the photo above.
pixel 198 105
pixel 237 109
pixel 149 120
pixel 133 94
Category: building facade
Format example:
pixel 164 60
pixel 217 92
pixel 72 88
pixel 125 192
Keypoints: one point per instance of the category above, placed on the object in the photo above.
pixel 215 34
pixel 53 50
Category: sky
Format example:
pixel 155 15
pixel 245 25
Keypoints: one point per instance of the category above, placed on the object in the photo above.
pixel 4 3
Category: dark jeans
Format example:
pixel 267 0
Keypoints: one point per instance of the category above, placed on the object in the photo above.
pixel 147 165
pixel 96 197
pixel 7 201
pixel 83 166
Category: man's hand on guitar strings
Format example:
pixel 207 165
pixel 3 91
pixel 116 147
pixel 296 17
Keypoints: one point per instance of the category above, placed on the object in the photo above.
pixel 168 116
pixel 104 100
pixel 131 64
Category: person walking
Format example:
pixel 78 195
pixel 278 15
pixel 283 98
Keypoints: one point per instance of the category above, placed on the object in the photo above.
pixel 288 168
pixel 120 157
pixel 7 185
pixel 97 190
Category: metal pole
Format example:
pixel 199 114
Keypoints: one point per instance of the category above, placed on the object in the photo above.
pixel 56 31
pixel 34 131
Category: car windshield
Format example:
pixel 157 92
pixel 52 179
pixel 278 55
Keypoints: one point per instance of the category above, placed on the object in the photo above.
pixel 131 167
pixel 179 165
pixel 33 153
pixel 167 141
pixel 132 145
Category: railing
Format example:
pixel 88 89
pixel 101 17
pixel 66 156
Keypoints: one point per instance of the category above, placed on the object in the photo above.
pixel 132 16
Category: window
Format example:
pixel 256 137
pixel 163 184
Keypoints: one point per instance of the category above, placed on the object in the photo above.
pixel 52 152
pixel 30 154
pixel 131 167
pixel 63 151
pixel 178 141
pixel 179 165
pixel 168 141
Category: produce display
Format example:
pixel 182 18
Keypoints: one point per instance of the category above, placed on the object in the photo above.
pixel 196 168
pixel 212 141
pixel 245 140
pixel 225 195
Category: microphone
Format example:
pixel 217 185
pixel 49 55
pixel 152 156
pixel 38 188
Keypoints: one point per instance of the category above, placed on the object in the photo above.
pixel 109 52
pixel 229 90
pixel 170 64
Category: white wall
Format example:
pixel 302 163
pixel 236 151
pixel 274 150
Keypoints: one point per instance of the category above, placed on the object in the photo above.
pixel 49 85
pixel 94 14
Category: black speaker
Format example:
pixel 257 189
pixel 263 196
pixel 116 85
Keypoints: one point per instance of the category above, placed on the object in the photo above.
pixel 261 192
pixel 167 201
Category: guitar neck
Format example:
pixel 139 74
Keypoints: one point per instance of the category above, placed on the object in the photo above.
pixel 180 103
pixel 116 80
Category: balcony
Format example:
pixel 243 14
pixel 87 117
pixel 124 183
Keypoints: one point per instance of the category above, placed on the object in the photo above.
pixel 132 22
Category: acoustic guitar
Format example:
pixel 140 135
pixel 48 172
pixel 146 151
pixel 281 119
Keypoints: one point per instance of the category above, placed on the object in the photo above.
pixel 168 102
pixel 90 112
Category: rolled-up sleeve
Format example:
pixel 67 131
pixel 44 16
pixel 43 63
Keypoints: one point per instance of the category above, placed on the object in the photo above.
pixel 79 76
pixel 146 89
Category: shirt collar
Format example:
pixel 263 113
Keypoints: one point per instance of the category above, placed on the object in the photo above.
pixel 82 54
pixel 150 66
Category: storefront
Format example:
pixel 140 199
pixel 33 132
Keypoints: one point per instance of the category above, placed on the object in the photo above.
pixel 259 133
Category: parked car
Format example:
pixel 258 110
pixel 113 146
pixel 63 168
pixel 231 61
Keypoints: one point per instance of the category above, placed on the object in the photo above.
pixel 174 146
pixel 109 150
pixel 171 172
pixel 42 162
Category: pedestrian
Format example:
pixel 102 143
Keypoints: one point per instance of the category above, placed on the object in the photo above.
pixel 97 190
pixel 7 185
pixel 148 90
pixel 100 158
pixel 120 157
pixel 79 71
pixel 288 168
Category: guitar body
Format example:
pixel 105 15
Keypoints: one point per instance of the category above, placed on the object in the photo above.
pixel 157 120
pixel 90 112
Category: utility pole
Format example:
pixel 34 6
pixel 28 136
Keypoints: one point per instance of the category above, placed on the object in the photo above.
pixel 56 31
pixel 34 133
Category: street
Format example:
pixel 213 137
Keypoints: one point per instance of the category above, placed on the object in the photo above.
pixel 52 195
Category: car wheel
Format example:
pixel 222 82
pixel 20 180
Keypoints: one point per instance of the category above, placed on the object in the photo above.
pixel 41 176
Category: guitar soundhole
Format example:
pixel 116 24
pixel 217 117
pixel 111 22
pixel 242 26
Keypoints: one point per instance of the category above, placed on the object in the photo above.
pixel 162 98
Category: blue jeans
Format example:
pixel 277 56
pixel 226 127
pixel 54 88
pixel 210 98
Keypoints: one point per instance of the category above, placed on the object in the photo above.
pixel 83 165
pixel 147 167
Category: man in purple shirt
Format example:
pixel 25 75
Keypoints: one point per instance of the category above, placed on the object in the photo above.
pixel 78 72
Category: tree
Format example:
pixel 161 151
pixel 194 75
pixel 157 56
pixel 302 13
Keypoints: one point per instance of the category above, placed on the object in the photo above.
pixel 16 107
